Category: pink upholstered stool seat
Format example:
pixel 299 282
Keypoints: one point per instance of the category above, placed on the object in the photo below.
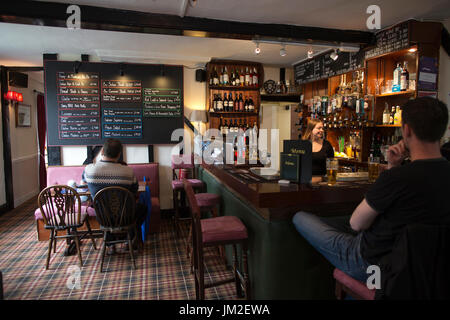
pixel 178 184
pixel 205 200
pixel 226 228
pixel 357 287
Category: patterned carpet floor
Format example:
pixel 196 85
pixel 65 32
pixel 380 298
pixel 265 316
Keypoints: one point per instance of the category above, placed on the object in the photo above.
pixel 162 268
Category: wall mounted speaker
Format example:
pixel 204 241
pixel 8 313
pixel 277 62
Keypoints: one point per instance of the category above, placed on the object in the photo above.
pixel 18 79
pixel 200 75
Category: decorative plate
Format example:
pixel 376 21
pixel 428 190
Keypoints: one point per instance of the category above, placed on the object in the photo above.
pixel 270 86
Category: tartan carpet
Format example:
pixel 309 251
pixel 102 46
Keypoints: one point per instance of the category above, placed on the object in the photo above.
pixel 163 270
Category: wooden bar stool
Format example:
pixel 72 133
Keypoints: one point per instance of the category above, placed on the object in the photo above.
pixel 185 166
pixel 213 232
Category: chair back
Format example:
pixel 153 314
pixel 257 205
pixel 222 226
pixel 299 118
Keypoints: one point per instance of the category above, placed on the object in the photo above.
pixel 196 214
pixel 183 163
pixel 115 208
pixel 60 206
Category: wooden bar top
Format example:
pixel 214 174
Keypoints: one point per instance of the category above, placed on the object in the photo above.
pixel 276 201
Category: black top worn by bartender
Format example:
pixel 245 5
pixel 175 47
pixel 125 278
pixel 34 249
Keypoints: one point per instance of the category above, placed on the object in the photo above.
pixel 321 148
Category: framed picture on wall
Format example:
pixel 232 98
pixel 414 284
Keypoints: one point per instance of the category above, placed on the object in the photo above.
pixel 23 115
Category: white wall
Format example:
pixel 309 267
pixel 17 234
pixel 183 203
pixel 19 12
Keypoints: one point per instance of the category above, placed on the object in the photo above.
pixel 24 145
pixel 444 77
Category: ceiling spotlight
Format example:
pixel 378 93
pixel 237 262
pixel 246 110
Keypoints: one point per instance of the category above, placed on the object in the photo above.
pixel 257 49
pixel 310 53
pixel 283 51
pixel 334 55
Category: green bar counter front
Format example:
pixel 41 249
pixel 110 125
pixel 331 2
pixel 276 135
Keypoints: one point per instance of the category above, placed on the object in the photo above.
pixel 282 264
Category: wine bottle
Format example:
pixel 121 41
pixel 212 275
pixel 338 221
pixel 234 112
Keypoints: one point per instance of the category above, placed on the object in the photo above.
pixel 226 78
pixel 221 77
pixel 251 105
pixel 241 103
pixel 241 78
pixel 233 78
pixel 225 103
pixel 250 78
pixel 230 103
pixel 247 77
pixel 215 77
pixel 246 104
pixel 219 103
pixel 236 103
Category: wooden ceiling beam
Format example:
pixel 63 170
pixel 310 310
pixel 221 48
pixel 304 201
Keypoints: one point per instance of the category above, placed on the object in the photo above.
pixel 99 18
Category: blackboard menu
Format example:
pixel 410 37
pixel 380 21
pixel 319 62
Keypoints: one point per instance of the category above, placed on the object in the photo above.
pixel 322 67
pixel 390 40
pixel 95 102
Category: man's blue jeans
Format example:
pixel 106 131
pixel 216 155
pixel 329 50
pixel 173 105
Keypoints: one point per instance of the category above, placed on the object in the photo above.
pixel 335 240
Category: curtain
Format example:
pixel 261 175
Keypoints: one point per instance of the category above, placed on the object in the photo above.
pixel 42 130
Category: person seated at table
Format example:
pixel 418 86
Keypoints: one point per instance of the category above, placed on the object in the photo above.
pixel 321 148
pixel 108 172
pixel 415 192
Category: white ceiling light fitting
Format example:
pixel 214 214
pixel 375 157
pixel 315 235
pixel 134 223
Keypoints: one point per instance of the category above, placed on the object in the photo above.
pixel 334 55
pixel 283 52
pixel 310 53
pixel 257 49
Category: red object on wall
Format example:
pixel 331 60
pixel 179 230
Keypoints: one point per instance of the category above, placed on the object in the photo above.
pixel 14 96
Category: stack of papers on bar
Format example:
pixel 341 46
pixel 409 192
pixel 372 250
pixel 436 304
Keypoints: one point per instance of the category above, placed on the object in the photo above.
pixel 352 176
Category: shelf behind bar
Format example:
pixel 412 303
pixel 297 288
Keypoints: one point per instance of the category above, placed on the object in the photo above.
pixel 233 112
pixel 395 93
pixel 236 88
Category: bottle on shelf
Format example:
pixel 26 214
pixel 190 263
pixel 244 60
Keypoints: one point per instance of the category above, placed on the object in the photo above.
pixel 230 103
pixel 246 104
pixel 241 103
pixel 233 78
pixel 404 79
pixel 219 103
pixel 221 126
pixel 236 103
pixel 214 103
pixel 386 115
pixel 226 128
pixel 251 106
pixel 392 116
pixel 215 77
pixel 225 102
pixel 226 78
pixel 236 78
pixel 221 77
pixel 255 77
pixel 398 116
pixel 250 79
pixel 247 77
pixel 241 78
pixel 396 78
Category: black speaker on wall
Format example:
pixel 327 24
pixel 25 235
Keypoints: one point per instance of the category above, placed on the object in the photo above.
pixel 18 79
pixel 200 75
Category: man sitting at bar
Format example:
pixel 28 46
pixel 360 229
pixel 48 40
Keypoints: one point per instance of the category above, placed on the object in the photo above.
pixel 109 172
pixel 416 192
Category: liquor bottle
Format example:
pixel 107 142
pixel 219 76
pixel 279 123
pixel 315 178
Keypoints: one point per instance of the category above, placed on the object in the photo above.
pixel 246 104
pixel 255 77
pixel 404 79
pixel 392 115
pixel 236 103
pixel 221 77
pixel 250 79
pixel 396 78
pixel 236 77
pixel 241 78
pixel 225 102
pixel 236 127
pixel 226 78
pixel 215 77
pixel 240 126
pixel 241 103
pixel 247 77
pixel 386 115
pixel 358 107
pixel 219 103
pixel 221 125
pixel 230 103
pixel 398 116
pixel 211 77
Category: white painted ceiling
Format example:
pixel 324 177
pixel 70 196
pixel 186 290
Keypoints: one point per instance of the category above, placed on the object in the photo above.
pixel 24 44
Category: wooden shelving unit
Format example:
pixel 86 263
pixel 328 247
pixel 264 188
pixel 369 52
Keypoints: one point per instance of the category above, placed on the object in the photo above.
pixel 247 91
pixel 395 94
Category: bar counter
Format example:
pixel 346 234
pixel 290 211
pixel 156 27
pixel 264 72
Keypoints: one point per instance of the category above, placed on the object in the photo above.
pixel 282 265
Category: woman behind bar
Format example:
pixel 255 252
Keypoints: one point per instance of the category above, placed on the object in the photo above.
pixel 321 148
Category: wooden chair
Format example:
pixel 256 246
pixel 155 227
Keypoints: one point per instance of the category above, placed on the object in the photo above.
pixel 60 207
pixel 116 212
pixel 354 288
pixel 214 232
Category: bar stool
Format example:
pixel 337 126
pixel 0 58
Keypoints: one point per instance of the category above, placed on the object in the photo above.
pixel 185 164
pixel 213 232
pixel 347 285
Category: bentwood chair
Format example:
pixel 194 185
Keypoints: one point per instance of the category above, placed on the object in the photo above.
pixel 116 213
pixel 60 206
pixel 214 232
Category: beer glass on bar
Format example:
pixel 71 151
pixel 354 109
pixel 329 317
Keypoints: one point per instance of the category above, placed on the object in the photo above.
pixel 332 169
pixel 374 166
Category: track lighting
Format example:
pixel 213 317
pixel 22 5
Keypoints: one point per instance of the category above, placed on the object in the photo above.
pixel 334 55
pixel 257 49
pixel 283 51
